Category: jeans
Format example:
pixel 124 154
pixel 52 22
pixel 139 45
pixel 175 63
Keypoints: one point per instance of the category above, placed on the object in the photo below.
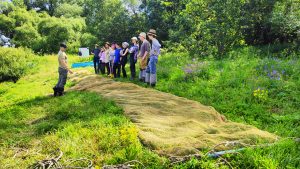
pixel 62 79
pixel 151 70
pixel 110 63
pixel 117 70
pixel 96 66
pixel 132 66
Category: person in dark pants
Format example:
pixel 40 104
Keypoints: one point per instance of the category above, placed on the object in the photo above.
pixel 134 49
pixel 107 55
pixel 102 61
pixel 117 63
pixel 96 58
pixel 124 58
pixel 62 71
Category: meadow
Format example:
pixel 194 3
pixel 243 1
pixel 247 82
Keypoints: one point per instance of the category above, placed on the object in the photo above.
pixel 247 87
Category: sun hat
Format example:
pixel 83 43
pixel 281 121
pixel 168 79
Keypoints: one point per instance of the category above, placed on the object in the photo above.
pixel 152 32
pixel 143 34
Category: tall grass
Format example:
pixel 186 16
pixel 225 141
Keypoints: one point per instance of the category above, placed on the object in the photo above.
pixel 252 86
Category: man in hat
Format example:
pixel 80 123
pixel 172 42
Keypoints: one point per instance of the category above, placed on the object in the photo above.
pixel 143 55
pixel 62 71
pixel 134 49
pixel 96 58
pixel 154 52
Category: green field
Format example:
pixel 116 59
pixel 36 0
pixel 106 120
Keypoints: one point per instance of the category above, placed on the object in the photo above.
pixel 82 124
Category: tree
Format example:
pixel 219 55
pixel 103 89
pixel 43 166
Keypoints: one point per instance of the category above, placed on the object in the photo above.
pixel 68 10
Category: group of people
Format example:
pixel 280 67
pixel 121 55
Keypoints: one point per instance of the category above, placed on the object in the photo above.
pixel 113 57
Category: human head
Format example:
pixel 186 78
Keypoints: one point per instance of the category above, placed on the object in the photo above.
pixel 96 46
pixel 113 45
pixel 63 47
pixel 118 45
pixel 107 45
pixel 142 36
pixel 125 44
pixel 151 34
pixel 134 40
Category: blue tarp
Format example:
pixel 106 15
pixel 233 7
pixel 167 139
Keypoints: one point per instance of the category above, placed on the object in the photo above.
pixel 82 64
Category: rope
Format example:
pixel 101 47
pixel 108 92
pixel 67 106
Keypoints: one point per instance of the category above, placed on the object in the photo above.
pixel 52 163
pixel 126 165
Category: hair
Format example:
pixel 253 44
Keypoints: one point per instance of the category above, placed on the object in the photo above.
pixel 63 45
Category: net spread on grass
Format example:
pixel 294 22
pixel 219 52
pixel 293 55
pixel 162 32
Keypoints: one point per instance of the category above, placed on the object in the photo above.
pixel 168 124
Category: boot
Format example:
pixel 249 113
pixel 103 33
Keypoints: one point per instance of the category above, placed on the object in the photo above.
pixel 61 91
pixel 55 91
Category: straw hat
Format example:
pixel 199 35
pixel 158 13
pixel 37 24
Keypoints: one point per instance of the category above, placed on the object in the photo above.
pixel 152 32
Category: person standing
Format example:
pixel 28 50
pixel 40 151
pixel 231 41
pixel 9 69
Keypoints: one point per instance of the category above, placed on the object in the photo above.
pixel 124 58
pixel 106 59
pixel 151 76
pixel 111 59
pixel 96 58
pixel 63 70
pixel 102 60
pixel 134 49
pixel 143 56
pixel 117 63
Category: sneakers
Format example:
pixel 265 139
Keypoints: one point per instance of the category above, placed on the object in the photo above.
pixel 153 85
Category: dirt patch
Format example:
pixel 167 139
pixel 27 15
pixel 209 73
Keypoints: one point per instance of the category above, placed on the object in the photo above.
pixel 168 124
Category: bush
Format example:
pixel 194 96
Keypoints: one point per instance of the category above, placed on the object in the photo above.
pixel 14 63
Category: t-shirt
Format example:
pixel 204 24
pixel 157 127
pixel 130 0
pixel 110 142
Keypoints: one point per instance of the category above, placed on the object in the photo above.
pixel 102 56
pixel 112 54
pixel 134 49
pixel 96 54
pixel 117 55
pixel 155 49
pixel 62 57
pixel 145 47
pixel 107 55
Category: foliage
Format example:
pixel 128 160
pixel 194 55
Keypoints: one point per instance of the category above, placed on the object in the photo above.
pixel 68 10
pixel 15 63
pixel 42 33
pixel 109 20
pixel 7 24
pixel 26 36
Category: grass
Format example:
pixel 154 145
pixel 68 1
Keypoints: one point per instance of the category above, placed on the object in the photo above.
pixel 81 124
pixel 251 86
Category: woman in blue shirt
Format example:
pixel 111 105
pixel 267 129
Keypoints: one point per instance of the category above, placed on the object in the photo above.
pixel 117 64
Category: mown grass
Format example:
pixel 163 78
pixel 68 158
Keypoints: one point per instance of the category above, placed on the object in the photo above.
pixel 251 86
pixel 81 124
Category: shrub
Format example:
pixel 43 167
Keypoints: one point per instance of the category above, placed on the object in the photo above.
pixel 14 63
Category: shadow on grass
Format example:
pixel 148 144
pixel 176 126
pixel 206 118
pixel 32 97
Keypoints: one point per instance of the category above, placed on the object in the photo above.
pixel 39 116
